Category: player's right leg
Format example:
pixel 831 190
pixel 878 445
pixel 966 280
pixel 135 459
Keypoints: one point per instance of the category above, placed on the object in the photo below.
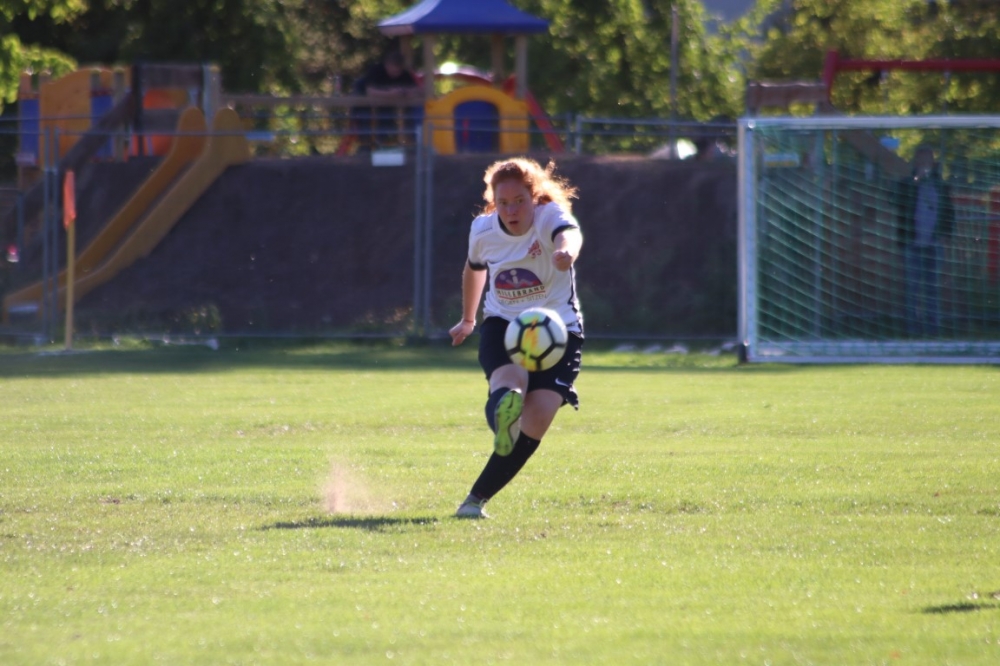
pixel 508 385
pixel 504 406
pixel 540 408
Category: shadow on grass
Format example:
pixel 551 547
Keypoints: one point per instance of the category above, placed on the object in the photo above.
pixel 967 607
pixel 397 354
pixel 306 356
pixel 367 523
pixel 237 356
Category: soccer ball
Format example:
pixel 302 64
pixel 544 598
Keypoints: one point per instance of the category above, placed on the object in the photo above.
pixel 536 339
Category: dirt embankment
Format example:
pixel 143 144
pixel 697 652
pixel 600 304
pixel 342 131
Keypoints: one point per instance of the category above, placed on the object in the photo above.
pixel 316 245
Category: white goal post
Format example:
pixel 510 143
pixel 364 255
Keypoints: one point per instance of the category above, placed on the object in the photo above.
pixel 869 239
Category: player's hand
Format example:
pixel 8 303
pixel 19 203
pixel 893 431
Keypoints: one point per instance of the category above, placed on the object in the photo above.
pixel 562 260
pixel 460 331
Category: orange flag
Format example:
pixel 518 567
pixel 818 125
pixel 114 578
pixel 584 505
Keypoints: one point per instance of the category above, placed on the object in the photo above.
pixel 69 199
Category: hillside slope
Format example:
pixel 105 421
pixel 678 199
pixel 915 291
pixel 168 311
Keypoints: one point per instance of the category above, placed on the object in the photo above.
pixel 317 245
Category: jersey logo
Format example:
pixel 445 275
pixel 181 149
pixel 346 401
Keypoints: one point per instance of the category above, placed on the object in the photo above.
pixel 518 285
pixel 535 250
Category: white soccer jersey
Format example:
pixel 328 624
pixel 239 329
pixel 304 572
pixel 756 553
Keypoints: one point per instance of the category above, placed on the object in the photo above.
pixel 521 274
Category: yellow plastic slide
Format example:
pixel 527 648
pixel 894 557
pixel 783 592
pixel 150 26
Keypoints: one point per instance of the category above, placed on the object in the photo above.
pixel 154 209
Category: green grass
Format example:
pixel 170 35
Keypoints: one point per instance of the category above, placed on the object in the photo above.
pixel 172 505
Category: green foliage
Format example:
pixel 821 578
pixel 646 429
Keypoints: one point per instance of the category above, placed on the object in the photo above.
pixel 280 46
pixel 59 10
pixel 612 59
pixel 17 55
pixel 968 30
pixel 601 57
pixel 799 37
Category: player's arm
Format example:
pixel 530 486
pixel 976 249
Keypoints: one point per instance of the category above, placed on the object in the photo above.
pixel 473 282
pixel 567 244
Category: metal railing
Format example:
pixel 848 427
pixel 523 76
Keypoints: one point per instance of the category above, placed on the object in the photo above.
pixel 431 236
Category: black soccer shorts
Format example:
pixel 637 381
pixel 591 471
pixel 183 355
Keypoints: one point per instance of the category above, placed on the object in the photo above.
pixel 559 378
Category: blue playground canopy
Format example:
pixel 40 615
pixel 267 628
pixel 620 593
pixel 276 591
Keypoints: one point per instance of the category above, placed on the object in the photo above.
pixel 462 17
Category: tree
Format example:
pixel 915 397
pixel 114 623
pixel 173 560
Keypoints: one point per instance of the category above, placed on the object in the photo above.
pixel 17 55
pixel 611 58
pixel 278 46
pixel 806 30
pixel 600 58
pixel 249 39
pixel 968 29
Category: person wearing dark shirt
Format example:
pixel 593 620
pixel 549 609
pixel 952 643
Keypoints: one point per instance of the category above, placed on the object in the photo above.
pixel 925 217
pixel 389 78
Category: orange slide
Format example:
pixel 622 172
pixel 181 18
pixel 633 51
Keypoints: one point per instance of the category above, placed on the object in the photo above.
pixel 190 167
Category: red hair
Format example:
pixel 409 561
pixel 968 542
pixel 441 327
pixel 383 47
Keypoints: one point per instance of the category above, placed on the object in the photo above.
pixel 544 185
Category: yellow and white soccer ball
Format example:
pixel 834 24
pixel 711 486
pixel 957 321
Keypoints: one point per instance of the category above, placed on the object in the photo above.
pixel 536 339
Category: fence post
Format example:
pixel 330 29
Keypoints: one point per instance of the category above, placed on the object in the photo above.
pixel 50 239
pixel 119 141
pixel 744 241
pixel 428 236
pixel 42 309
pixel 20 231
pixel 674 39
pixel 55 190
pixel 418 209
pixel 137 119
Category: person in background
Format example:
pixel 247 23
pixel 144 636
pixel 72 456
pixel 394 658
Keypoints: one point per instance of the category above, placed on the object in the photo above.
pixel 925 218
pixel 389 78
pixel 522 249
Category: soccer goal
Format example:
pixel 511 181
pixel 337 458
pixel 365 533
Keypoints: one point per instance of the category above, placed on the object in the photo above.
pixel 870 239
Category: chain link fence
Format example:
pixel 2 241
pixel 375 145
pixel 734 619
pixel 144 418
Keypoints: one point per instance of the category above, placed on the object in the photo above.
pixel 329 231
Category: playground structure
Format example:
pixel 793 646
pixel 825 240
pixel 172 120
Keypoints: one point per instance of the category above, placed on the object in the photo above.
pixel 56 113
pixel 93 114
pixel 479 117
pixel 101 113
pixel 834 65
pixel 63 111
pixel 195 160
pixel 66 106
pixel 81 117
pixel 489 112
pixel 492 113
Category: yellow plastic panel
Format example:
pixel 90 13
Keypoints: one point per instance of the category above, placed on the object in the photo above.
pixel 439 118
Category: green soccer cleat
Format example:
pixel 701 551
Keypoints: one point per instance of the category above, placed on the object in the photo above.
pixel 507 418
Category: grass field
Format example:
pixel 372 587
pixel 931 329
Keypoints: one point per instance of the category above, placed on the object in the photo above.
pixel 269 505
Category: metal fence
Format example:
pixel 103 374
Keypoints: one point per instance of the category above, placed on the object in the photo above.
pixel 310 239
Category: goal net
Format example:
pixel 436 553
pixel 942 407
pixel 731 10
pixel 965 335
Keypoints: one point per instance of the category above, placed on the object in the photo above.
pixel 870 239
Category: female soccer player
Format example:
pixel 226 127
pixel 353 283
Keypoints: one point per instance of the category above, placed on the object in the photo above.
pixel 524 243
